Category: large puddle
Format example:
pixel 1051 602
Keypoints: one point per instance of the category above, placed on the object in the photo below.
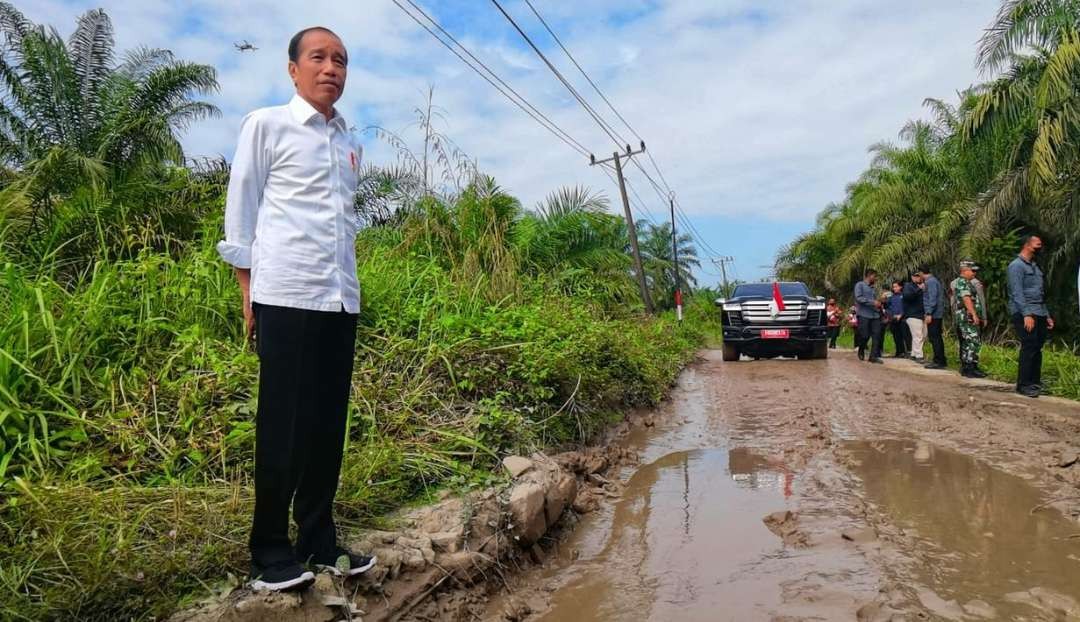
pixel 977 525
pixel 687 542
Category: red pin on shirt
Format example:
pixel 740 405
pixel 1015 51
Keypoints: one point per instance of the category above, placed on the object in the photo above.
pixel 352 160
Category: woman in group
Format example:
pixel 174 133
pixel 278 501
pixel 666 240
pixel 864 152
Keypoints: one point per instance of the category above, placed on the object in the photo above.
pixel 833 316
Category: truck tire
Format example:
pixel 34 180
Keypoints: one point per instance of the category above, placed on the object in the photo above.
pixel 821 350
pixel 731 353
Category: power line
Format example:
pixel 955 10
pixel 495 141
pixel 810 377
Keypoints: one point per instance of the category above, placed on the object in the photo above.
pixel 679 211
pixel 610 131
pixel 652 160
pixel 599 92
pixel 520 101
pixel 583 72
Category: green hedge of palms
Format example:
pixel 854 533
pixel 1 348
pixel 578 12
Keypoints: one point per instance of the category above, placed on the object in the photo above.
pixel 968 182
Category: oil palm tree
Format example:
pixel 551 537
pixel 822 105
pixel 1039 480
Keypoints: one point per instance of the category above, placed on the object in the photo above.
pixel 572 237
pixel 71 116
pixel 656 256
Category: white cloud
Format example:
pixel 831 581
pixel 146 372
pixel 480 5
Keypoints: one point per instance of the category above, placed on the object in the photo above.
pixel 756 109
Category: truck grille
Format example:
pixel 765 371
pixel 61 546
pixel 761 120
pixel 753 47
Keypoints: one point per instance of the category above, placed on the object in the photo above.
pixel 757 311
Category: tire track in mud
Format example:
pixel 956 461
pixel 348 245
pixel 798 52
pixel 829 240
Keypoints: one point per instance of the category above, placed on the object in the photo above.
pixel 793 436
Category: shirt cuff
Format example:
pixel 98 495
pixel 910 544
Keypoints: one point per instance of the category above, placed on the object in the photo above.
pixel 234 254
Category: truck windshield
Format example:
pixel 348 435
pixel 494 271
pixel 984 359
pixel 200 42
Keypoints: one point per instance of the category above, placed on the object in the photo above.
pixel 765 289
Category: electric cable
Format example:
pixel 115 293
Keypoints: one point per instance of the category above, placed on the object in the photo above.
pixel 523 104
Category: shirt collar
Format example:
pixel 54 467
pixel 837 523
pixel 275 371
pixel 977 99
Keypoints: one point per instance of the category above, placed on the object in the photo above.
pixel 304 112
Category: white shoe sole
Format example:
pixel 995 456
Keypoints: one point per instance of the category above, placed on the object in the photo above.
pixel 352 571
pixel 304 580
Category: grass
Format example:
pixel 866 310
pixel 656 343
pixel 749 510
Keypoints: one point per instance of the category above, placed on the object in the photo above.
pixel 1060 370
pixel 127 402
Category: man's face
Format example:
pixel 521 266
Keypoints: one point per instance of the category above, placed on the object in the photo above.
pixel 1035 244
pixel 917 278
pixel 320 69
pixel 967 273
pixel 871 278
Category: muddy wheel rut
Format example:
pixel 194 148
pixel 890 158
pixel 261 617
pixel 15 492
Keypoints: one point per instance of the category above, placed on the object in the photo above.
pixel 825 490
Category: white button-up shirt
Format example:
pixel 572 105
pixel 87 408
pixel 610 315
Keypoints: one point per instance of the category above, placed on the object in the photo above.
pixel 289 212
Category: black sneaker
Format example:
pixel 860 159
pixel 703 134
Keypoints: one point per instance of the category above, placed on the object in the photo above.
pixel 934 366
pixel 1029 391
pixel 284 577
pixel 875 359
pixel 977 373
pixel 345 563
pixel 862 354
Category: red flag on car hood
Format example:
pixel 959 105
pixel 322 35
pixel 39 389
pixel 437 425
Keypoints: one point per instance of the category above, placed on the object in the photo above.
pixel 776 305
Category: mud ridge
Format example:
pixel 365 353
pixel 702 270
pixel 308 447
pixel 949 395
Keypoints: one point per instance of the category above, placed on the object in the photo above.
pixel 442 559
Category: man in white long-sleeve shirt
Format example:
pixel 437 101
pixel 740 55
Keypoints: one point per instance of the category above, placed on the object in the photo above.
pixel 290 231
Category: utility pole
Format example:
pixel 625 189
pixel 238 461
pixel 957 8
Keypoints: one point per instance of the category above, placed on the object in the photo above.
pixel 631 228
pixel 722 262
pixel 675 260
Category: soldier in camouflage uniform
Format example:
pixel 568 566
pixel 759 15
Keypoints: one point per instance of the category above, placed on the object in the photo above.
pixel 968 319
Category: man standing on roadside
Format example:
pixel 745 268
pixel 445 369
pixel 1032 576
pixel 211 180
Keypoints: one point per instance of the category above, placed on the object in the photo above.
pixel 969 316
pixel 290 233
pixel 868 310
pixel 1031 319
pixel 933 312
pixel 913 315
pixel 900 334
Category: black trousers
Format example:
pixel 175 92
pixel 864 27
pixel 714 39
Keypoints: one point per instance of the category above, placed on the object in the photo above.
pixel 901 335
pixel 834 333
pixel 1031 345
pixel 937 341
pixel 305 371
pixel 869 333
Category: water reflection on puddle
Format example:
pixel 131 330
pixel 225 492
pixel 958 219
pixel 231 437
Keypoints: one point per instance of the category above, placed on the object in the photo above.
pixel 973 521
pixel 687 542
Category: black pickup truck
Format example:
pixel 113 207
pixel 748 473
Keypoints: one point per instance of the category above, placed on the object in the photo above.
pixel 754 325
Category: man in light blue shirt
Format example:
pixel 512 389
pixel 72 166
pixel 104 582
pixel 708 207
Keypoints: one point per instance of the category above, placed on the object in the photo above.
pixel 868 311
pixel 1030 317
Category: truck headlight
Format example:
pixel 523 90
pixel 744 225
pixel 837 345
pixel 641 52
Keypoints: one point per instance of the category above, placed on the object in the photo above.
pixel 735 308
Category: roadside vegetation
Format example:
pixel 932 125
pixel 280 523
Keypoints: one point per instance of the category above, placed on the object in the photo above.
pixel 127 390
pixel 1061 366
pixel 1001 161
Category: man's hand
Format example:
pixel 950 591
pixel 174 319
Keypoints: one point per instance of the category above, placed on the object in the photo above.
pixel 1050 323
pixel 929 320
pixel 1029 323
pixel 243 278
pixel 249 320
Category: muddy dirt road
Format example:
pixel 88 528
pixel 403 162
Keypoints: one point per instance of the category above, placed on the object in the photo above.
pixel 828 490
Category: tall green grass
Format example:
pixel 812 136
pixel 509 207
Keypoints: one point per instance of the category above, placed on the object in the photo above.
pixel 127 399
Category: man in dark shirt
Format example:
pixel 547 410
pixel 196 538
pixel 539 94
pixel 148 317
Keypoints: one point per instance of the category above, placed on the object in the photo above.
pixel 933 312
pixel 1031 319
pixel 913 315
pixel 901 336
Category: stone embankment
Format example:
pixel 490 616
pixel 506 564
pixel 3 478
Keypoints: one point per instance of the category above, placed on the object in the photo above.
pixel 440 560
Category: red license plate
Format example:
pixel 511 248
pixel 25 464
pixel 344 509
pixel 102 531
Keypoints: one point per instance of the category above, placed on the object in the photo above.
pixel 778 333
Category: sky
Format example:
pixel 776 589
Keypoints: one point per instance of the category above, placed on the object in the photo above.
pixel 758 112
